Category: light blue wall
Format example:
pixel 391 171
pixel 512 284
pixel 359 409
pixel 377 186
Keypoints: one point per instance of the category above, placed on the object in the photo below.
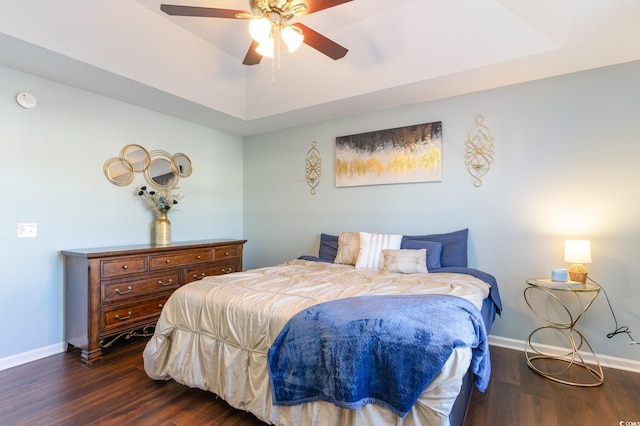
pixel 566 167
pixel 566 153
pixel 52 172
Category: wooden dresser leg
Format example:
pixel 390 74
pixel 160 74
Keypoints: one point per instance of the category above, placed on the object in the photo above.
pixel 89 357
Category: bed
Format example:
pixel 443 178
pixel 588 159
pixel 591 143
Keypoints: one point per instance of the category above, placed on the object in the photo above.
pixel 229 334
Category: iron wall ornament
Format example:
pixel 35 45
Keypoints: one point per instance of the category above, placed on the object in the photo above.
pixel 479 151
pixel 313 167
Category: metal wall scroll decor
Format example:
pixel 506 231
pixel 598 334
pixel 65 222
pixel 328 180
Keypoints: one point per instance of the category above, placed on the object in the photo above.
pixel 313 167
pixel 479 151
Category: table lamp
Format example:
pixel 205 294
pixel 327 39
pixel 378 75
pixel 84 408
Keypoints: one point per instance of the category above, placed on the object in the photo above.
pixel 577 252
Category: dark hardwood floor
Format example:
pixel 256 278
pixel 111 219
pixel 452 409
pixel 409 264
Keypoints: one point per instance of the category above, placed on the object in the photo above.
pixel 518 396
pixel 59 390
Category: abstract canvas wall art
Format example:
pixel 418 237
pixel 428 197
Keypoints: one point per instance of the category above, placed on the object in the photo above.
pixel 400 155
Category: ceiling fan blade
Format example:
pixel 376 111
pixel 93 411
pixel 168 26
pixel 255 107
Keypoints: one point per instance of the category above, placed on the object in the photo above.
pixel 321 43
pixel 206 12
pixel 253 57
pixel 318 5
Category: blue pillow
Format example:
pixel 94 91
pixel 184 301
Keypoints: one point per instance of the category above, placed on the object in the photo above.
pixel 454 246
pixel 434 250
pixel 328 247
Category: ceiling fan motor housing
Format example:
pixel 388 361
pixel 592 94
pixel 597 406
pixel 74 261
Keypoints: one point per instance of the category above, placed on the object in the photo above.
pixel 285 8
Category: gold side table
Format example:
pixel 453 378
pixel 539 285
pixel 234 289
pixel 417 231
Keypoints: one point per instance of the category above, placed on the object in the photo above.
pixel 582 295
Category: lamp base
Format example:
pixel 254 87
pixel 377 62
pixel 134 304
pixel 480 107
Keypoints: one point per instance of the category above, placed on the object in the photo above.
pixel 580 277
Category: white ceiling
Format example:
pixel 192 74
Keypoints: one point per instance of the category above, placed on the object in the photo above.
pixel 400 52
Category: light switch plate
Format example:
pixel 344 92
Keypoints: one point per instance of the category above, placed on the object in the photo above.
pixel 27 230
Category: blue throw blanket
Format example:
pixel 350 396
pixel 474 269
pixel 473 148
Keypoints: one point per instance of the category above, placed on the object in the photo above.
pixel 374 349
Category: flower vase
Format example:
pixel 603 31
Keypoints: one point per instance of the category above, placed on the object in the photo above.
pixel 163 231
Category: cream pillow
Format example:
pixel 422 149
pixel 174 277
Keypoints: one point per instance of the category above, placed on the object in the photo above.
pixel 371 246
pixel 405 261
pixel 348 248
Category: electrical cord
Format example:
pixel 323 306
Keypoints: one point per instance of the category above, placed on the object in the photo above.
pixel 619 329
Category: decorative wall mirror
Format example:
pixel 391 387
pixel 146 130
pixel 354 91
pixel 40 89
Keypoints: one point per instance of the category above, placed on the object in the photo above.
pixel 182 164
pixel 161 170
pixel 135 155
pixel 160 174
pixel 117 172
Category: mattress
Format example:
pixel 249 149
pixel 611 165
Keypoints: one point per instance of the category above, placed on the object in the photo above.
pixel 214 334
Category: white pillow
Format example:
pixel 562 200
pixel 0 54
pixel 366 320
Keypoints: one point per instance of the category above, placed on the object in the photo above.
pixel 371 246
pixel 348 248
pixel 405 261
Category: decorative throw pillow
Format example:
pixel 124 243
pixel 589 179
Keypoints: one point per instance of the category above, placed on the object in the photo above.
pixel 328 247
pixel 348 248
pixel 434 250
pixel 405 261
pixel 371 246
pixel 454 246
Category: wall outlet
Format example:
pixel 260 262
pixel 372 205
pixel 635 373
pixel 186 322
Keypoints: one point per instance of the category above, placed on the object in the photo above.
pixel 27 230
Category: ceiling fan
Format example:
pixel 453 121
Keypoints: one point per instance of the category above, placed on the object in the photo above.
pixel 270 24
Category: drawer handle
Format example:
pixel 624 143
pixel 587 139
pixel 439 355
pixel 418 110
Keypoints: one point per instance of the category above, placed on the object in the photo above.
pixel 227 271
pixel 117 290
pixel 124 318
pixel 198 257
pixel 168 261
pixel 125 267
pixel 160 305
pixel 166 284
pixel 199 277
pixel 226 253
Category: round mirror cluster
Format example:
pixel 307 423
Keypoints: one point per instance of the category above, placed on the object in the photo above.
pixel 161 170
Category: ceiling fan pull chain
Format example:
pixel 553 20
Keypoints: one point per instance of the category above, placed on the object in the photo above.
pixel 273 69
pixel 278 40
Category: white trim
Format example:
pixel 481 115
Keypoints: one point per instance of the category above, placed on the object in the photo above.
pixel 25 357
pixel 503 342
pixel 605 360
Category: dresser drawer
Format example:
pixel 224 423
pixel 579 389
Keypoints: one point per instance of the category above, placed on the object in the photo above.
pixel 131 314
pixel 196 274
pixel 123 266
pixel 226 252
pixel 180 259
pixel 122 290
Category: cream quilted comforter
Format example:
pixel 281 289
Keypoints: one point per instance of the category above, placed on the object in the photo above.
pixel 214 334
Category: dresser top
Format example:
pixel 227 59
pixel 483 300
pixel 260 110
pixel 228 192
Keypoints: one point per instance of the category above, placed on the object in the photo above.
pixel 148 248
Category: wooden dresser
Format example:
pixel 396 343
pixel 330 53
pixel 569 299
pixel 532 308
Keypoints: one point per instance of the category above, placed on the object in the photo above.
pixel 114 291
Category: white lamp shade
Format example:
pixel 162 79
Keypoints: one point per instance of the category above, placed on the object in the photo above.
pixel 292 38
pixel 259 29
pixel 265 48
pixel 577 251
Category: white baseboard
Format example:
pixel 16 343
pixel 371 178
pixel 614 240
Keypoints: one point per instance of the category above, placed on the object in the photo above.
pixel 605 360
pixel 503 342
pixel 25 357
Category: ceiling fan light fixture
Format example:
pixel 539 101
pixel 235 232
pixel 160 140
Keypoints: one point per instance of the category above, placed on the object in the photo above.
pixel 265 48
pixel 260 29
pixel 292 37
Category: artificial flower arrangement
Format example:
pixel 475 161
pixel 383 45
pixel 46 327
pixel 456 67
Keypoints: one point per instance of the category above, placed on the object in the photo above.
pixel 159 202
